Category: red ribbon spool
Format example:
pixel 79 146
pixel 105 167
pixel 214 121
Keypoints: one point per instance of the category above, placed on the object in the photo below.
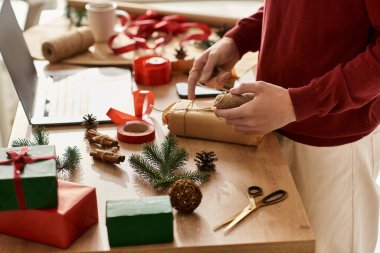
pixel 152 70
pixel 132 129
pixel 136 132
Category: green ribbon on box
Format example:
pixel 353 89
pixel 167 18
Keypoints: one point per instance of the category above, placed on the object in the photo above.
pixel 22 192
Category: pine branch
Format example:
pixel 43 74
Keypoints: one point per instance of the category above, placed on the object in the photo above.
pixel 70 161
pixel 162 166
pixel 71 158
pixel 177 160
pixel 40 135
pixel 153 154
pixel 21 143
pixel 168 146
pixel 143 168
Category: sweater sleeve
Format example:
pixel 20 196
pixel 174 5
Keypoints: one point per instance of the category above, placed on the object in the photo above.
pixel 349 85
pixel 247 33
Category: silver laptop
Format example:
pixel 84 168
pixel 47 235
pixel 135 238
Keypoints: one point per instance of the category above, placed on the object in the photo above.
pixel 65 98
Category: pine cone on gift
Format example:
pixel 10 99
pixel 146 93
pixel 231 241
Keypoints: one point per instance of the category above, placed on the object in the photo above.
pixel 89 122
pixel 205 160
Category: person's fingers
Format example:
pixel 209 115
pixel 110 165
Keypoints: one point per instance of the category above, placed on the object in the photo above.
pixel 245 130
pixel 209 67
pixel 223 77
pixel 194 75
pixel 229 114
pixel 246 87
pixel 239 122
pixel 192 82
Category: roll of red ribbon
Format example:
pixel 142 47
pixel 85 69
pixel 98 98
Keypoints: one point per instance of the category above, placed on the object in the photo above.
pixel 152 70
pixel 136 132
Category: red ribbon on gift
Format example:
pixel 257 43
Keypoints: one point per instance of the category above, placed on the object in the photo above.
pixel 19 161
pixel 167 26
pixel 139 96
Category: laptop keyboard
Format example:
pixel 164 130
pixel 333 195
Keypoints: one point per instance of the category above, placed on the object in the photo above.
pixel 67 97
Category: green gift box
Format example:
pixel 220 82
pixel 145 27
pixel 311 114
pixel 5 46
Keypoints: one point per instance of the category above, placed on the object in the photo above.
pixel 28 178
pixel 139 221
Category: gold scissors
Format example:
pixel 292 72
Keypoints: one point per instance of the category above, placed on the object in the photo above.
pixel 252 191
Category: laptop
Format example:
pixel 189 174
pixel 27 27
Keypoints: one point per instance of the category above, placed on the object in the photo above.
pixel 66 96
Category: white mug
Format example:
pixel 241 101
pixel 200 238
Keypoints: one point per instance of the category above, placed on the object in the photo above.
pixel 102 19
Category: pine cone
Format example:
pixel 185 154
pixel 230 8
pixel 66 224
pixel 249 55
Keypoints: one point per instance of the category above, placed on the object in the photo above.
pixel 180 53
pixel 205 160
pixel 89 122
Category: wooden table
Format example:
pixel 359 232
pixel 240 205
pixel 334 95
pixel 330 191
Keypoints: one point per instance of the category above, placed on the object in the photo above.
pixel 279 228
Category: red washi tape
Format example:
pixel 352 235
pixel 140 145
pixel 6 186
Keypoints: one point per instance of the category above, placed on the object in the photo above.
pixel 136 132
pixel 152 70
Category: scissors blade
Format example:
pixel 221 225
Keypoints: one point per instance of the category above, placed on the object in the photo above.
pixel 252 201
pixel 240 217
pixel 219 225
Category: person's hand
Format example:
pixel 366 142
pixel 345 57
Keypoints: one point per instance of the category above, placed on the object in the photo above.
pixel 271 109
pixel 223 54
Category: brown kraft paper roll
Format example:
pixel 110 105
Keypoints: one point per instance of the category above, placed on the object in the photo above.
pixel 67 45
pixel 196 119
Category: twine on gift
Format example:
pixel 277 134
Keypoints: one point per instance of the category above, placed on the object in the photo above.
pixel 187 109
pixel 19 161
pixel 68 44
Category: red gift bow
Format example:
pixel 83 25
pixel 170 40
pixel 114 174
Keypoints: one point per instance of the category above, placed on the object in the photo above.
pixel 19 161
pixel 168 26
pixel 139 96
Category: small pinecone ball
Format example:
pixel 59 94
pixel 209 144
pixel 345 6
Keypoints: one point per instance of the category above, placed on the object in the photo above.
pixel 205 160
pixel 185 195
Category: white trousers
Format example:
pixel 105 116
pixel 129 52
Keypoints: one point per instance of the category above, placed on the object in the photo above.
pixel 338 188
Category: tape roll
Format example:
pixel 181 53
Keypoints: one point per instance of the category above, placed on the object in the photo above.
pixel 136 132
pixel 152 70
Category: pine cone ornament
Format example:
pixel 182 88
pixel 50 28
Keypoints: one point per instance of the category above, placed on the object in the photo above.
pixel 89 122
pixel 180 53
pixel 205 160
pixel 185 195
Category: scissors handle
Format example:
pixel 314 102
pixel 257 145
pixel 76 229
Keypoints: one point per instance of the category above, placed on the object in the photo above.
pixel 255 191
pixel 273 198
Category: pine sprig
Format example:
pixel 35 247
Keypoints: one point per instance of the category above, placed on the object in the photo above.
pixel 143 167
pixel 70 160
pixel 21 143
pixel 162 165
pixel 40 135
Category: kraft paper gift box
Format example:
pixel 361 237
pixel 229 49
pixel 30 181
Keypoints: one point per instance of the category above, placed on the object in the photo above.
pixel 28 178
pixel 139 221
pixel 196 119
pixel 60 227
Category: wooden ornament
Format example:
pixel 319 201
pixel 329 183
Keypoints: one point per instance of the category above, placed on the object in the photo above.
pixel 185 195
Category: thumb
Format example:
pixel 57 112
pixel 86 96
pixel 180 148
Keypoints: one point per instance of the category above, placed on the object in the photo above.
pixel 245 88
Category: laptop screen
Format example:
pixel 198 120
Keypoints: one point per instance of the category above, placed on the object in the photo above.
pixel 17 58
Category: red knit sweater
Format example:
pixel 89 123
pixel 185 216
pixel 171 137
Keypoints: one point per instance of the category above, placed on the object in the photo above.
pixel 327 52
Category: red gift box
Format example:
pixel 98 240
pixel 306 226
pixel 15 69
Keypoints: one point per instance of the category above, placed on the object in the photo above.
pixel 76 212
